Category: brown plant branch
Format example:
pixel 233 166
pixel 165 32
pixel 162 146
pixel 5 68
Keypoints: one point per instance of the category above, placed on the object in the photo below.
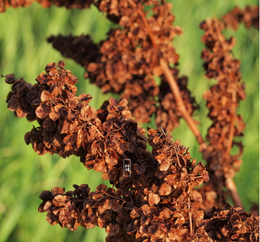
pixel 147 26
pixel 190 218
pixel 180 105
pixel 229 181
pixel 145 22
pixel 234 194
pixel 232 123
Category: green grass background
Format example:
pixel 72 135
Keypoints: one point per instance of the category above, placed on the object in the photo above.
pixel 25 52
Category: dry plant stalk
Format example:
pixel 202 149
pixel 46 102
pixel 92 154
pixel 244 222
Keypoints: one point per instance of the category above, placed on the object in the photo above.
pixel 158 202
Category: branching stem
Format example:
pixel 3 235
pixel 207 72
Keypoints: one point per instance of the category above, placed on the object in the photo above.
pixel 180 105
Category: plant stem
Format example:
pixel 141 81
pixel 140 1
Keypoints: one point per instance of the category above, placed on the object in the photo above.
pixel 190 218
pixel 180 105
pixel 235 196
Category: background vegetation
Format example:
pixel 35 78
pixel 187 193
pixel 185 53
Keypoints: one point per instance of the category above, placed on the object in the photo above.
pixel 25 52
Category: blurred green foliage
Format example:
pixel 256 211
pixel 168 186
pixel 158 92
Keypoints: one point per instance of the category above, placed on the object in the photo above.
pixel 25 52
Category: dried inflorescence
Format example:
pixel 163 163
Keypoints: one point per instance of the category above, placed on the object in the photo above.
pixel 232 224
pixel 129 59
pixel 68 125
pixel 160 205
pixel 222 101
pixel 155 219
pixel 162 181
pixel 249 16
pixel 4 4
pixel 157 202
pixel 52 102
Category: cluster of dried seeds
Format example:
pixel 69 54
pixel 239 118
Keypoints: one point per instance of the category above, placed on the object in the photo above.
pixel 232 224
pixel 222 101
pixel 52 102
pixel 249 16
pixel 128 61
pixel 68 125
pixel 157 202
pixel 161 203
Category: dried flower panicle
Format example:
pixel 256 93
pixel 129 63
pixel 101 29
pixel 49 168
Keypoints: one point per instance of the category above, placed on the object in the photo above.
pixel 156 207
pixel 159 210
pixel 68 125
pixel 126 220
pixel 249 16
pixel 59 112
pixel 232 224
pixel 127 61
pixel 157 202
pixel 222 101
pixel 81 48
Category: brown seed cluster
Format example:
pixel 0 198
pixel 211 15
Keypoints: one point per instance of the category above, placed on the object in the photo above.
pixel 222 101
pixel 156 219
pixel 68 125
pixel 249 16
pixel 233 224
pixel 160 205
pixel 52 102
pixel 4 4
pixel 157 202
pixel 128 61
